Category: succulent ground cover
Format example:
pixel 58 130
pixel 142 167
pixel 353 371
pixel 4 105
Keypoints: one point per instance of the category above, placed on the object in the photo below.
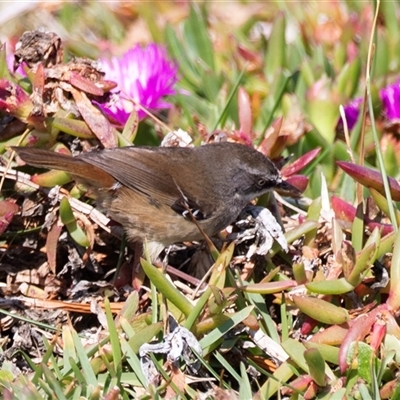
pixel 309 312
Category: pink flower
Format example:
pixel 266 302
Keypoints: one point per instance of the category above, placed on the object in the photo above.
pixel 10 65
pixel 145 75
pixel 351 111
pixel 390 96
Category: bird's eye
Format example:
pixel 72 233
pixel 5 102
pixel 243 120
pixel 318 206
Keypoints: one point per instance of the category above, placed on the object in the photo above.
pixel 261 183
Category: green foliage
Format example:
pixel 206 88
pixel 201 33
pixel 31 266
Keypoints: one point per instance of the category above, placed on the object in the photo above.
pixel 294 64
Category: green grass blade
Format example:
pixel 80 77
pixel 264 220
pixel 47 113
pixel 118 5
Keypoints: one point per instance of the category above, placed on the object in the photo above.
pixel 209 341
pixel 87 369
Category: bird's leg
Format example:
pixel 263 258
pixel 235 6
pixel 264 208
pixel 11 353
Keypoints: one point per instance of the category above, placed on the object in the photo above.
pixel 138 274
pixel 165 259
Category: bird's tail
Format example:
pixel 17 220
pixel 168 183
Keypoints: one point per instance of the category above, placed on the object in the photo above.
pixel 76 166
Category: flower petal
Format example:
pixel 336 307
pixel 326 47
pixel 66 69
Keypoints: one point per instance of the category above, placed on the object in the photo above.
pixel 144 76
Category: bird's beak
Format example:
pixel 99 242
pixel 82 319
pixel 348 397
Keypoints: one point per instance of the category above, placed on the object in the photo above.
pixel 286 189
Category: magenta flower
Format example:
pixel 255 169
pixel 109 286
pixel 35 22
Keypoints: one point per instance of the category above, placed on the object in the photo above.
pixel 351 111
pixel 10 65
pixel 145 75
pixel 390 96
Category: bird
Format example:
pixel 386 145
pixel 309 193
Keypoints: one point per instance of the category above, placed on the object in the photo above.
pixel 166 195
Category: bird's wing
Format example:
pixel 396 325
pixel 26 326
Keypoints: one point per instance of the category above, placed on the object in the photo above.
pixel 145 171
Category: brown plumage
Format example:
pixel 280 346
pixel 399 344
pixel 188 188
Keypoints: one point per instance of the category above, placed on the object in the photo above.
pixel 149 190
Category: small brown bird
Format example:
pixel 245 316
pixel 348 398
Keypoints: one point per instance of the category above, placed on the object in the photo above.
pixel 155 192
